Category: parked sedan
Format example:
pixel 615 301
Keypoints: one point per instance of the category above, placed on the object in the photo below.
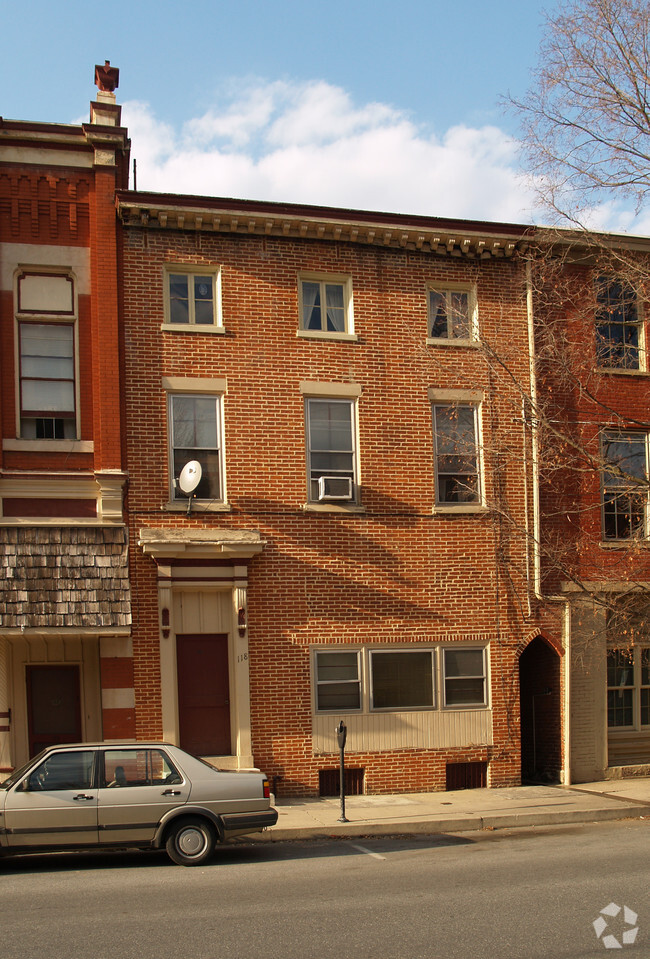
pixel 145 795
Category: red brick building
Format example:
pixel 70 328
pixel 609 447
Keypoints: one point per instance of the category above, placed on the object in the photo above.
pixel 358 546
pixel 591 349
pixel 65 655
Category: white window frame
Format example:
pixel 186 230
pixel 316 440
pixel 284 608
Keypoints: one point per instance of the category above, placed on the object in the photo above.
pixel 605 344
pixel 192 272
pixel 322 683
pixel 623 488
pixel 340 397
pixel 443 400
pixel 448 290
pixel 323 281
pixel 364 679
pixel 34 316
pixel 196 388
pixel 374 652
pixel 637 687
pixel 459 648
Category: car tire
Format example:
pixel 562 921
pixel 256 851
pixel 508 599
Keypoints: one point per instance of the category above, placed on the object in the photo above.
pixel 191 842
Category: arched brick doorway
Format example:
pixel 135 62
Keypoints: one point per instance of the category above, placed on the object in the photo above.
pixel 540 711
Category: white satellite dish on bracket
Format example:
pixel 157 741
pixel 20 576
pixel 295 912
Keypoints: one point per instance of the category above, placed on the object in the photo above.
pixel 189 479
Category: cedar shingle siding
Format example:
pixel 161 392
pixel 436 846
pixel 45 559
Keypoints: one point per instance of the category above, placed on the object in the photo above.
pixel 64 577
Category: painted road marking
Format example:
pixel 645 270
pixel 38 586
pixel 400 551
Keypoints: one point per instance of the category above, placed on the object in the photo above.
pixel 368 852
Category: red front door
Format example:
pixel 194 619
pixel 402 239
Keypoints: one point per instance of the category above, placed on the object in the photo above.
pixel 53 706
pixel 203 694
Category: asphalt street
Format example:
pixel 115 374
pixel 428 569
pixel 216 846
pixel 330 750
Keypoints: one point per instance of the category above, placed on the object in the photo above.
pixel 507 894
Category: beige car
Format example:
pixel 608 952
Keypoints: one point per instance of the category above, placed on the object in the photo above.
pixel 145 795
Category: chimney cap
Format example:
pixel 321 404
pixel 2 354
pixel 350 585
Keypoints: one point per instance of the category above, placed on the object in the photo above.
pixel 107 78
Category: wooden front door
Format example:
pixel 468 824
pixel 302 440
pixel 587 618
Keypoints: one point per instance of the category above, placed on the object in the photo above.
pixel 203 694
pixel 53 706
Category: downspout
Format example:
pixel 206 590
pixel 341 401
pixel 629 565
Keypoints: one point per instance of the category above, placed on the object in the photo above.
pixel 537 564
pixel 537 577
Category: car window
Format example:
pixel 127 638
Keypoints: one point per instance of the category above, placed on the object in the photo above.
pixel 66 770
pixel 138 767
pixel 18 774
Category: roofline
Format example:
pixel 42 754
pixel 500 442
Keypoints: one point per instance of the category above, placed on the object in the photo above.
pixel 439 235
pixel 232 204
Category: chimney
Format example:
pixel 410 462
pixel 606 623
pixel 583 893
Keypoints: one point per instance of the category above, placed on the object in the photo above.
pixel 104 111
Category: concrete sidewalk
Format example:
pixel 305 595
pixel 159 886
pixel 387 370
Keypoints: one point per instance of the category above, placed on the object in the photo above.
pixel 462 810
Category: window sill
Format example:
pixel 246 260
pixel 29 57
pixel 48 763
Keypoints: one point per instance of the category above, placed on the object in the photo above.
pixel 632 541
pixel 446 341
pixel 191 328
pixel 333 508
pixel 461 509
pixel 620 371
pixel 198 506
pixel 48 446
pixel 324 335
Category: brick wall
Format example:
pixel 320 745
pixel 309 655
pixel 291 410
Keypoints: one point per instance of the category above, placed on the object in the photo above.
pixel 392 574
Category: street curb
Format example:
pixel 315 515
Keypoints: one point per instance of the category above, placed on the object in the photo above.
pixel 451 825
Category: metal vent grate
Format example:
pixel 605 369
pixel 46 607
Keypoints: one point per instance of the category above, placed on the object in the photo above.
pixel 329 782
pixel 466 775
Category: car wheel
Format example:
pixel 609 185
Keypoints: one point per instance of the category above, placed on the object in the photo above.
pixel 191 842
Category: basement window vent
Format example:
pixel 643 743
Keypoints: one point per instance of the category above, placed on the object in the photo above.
pixel 329 782
pixel 466 775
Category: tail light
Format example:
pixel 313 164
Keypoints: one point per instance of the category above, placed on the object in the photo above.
pixel 266 789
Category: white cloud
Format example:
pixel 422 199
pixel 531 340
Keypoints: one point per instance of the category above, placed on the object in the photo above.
pixel 308 143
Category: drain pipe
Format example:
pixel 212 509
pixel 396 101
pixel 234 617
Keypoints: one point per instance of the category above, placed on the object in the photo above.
pixel 537 563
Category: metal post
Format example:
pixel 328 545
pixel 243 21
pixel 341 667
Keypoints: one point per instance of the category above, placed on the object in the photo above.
pixel 341 735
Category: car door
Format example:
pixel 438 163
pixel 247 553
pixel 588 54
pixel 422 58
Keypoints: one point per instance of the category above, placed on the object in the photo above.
pixel 138 786
pixel 55 804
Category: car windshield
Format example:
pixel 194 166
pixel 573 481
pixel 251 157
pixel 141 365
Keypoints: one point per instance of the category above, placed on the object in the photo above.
pixel 18 774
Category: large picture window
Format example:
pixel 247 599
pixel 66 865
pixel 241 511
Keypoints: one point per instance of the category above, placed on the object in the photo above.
pixel 383 679
pixel 196 435
pixel 402 679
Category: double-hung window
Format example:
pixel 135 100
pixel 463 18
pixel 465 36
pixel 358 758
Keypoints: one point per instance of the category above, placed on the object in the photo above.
pixel 625 485
pixel 331 449
pixel 338 680
pixel 619 330
pixel 46 315
pixel 464 677
pixel 192 299
pixel 628 688
pixel 325 305
pixel 457 468
pixel 452 314
pixel 195 435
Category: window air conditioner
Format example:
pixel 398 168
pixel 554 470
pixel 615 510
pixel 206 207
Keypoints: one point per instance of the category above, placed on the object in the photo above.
pixel 335 487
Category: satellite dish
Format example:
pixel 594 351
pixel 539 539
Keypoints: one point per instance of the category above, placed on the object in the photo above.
pixel 190 477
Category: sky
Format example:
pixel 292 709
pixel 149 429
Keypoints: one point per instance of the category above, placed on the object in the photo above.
pixel 364 104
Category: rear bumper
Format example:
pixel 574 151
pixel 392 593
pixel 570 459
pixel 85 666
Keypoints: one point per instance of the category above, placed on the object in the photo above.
pixel 249 821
